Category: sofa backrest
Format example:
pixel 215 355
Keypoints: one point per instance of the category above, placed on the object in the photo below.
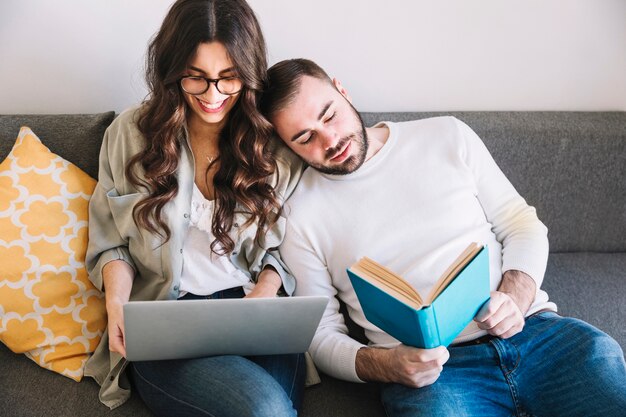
pixel 75 137
pixel 571 166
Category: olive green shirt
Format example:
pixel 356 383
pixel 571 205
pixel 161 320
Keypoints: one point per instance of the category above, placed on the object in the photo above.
pixel 113 235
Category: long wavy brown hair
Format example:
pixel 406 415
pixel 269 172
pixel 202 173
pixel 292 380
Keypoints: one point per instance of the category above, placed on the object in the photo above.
pixel 246 162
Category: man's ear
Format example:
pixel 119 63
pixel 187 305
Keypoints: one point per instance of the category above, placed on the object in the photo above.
pixel 342 90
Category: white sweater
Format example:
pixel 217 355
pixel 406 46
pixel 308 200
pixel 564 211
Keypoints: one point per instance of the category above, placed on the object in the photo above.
pixel 414 206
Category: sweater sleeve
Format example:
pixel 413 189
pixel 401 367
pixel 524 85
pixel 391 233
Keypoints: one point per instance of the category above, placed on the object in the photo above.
pixel 332 349
pixel 516 225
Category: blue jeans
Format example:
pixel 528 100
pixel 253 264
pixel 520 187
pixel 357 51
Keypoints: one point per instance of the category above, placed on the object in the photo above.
pixel 222 386
pixel 555 367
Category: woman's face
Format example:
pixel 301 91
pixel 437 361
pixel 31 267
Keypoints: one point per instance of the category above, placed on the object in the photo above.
pixel 211 107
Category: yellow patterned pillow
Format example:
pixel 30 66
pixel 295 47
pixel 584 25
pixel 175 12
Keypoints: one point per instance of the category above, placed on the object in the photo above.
pixel 49 309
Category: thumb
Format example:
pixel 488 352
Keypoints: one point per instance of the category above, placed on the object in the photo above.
pixel 488 308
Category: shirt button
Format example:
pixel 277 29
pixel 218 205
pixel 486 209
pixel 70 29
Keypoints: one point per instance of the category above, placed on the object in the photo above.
pixel 235 253
pixel 175 287
pixel 236 224
pixel 186 215
pixel 181 250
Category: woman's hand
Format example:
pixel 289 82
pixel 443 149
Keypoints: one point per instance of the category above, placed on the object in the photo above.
pixel 115 325
pixel 267 285
pixel 118 281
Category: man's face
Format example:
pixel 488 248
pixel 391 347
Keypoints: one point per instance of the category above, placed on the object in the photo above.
pixel 322 127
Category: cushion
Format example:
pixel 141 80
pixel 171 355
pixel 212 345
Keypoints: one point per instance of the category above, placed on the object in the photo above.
pixel 49 309
pixel 590 286
pixel 75 137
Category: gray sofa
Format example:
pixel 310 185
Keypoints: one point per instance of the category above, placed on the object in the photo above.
pixel 570 165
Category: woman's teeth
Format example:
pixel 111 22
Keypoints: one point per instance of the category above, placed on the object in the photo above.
pixel 213 106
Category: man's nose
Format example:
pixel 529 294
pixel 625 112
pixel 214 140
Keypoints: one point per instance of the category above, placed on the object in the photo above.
pixel 329 138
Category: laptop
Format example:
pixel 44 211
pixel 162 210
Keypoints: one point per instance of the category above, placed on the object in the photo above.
pixel 159 330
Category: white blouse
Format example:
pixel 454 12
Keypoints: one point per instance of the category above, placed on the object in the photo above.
pixel 204 272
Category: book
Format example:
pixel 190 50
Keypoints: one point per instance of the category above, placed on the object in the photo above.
pixel 392 304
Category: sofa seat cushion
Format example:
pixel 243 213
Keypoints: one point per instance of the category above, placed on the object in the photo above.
pixel 336 398
pixel 24 385
pixel 583 285
pixel 27 390
pixel 591 287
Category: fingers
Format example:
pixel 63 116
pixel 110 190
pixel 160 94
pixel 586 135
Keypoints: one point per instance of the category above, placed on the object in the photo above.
pixel 419 367
pixel 490 307
pixel 261 292
pixel 421 379
pixel 438 355
pixel 503 327
pixel 500 316
pixel 428 379
pixel 115 313
pixel 116 339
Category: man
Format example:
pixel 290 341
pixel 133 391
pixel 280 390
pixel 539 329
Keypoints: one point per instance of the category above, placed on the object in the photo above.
pixel 412 196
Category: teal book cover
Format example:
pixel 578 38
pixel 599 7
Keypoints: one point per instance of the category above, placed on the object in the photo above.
pixel 433 325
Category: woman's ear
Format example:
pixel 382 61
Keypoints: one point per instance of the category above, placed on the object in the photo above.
pixel 341 90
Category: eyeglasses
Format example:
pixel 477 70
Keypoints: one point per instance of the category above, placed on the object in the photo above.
pixel 196 85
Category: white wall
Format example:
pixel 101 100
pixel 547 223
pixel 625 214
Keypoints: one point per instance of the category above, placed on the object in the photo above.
pixel 69 56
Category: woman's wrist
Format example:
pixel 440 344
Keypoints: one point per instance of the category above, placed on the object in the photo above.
pixel 269 278
pixel 118 282
pixel 268 283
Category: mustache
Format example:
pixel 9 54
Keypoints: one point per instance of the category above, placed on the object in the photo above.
pixel 331 153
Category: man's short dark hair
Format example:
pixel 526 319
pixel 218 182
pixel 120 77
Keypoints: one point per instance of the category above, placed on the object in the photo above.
pixel 283 82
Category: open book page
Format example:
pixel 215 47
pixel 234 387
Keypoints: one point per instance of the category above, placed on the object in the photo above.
pixel 386 279
pixel 452 271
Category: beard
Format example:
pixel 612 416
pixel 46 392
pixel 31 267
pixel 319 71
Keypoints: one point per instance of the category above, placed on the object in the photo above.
pixel 359 140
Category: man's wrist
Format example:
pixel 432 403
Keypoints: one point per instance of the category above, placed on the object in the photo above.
pixel 520 287
pixel 370 364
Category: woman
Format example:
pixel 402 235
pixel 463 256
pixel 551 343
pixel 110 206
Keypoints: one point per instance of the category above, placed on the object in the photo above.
pixel 187 203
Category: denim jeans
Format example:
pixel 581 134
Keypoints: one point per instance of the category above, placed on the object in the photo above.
pixel 222 386
pixel 555 367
